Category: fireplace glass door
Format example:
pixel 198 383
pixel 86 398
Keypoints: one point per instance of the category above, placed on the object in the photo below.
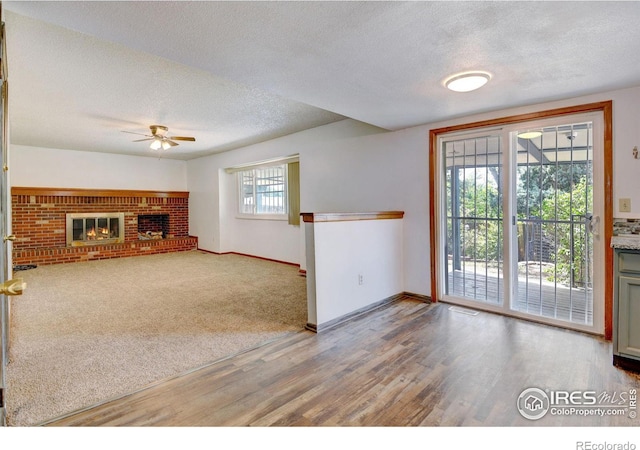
pixel 92 229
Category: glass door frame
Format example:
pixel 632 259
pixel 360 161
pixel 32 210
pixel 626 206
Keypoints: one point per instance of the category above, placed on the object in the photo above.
pixel 508 169
pixel 591 228
pixel 5 221
pixel 485 135
pixel 604 110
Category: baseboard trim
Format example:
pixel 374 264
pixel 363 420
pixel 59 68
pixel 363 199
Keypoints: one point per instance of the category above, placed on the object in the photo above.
pixel 365 310
pixel 632 365
pixel 250 256
pixel 420 297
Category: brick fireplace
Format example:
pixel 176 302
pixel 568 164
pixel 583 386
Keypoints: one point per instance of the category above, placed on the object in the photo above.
pixel 154 222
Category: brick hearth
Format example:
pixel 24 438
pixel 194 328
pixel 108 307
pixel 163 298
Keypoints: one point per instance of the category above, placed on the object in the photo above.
pixel 39 223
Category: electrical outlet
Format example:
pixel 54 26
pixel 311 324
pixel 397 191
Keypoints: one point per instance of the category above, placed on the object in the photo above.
pixel 360 279
pixel 625 205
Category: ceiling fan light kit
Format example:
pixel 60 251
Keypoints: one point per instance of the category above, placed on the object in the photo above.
pixel 156 144
pixel 159 138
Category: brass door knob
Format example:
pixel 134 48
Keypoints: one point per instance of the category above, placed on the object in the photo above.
pixel 13 287
pixel 11 237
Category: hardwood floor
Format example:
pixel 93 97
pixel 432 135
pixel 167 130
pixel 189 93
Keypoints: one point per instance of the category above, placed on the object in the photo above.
pixel 406 364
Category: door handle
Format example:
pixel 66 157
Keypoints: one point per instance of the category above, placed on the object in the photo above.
pixel 594 225
pixel 11 237
pixel 13 287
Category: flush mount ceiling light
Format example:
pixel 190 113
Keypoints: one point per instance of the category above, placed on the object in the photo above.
pixel 467 81
pixel 529 134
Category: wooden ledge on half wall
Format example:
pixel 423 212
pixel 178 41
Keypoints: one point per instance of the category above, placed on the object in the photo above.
pixel 346 217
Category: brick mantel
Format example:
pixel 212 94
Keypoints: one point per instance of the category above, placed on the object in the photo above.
pixel 39 222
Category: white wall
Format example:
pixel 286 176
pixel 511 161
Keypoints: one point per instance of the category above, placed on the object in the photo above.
pixel 213 212
pixel 348 167
pixel 355 264
pixel 345 167
pixel 48 167
pixel 381 172
pixel 213 206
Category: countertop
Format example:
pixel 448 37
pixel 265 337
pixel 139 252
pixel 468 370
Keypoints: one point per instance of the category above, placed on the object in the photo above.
pixel 627 242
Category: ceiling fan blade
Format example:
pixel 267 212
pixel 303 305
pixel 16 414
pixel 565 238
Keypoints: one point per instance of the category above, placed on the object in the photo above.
pixel 161 140
pixel 182 138
pixel 141 134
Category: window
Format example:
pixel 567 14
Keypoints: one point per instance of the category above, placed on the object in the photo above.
pixel 269 189
pixel 263 191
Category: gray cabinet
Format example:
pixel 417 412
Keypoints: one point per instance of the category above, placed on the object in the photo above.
pixel 626 316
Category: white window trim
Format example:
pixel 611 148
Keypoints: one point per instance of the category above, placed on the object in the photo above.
pixel 263 163
pixel 281 217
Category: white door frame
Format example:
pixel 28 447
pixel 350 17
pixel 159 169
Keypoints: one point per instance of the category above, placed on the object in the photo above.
pixel 5 224
pixel 5 266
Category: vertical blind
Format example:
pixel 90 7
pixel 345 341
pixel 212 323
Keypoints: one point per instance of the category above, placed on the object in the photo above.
pixel 293 186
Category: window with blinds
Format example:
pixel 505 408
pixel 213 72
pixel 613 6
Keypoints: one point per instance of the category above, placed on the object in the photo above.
pixel 263 191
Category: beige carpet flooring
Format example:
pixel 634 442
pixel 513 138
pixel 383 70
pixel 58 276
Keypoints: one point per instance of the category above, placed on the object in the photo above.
pixel 83 333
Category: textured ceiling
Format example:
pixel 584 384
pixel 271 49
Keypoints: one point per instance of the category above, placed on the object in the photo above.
pixel 236 73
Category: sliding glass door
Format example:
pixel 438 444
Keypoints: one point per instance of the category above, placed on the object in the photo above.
pixel 555 223
pixel 474 229
pixel 520 210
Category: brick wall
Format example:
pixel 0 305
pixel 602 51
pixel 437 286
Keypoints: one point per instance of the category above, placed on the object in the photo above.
pixel 39 223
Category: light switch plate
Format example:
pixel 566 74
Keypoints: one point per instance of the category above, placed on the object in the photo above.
pixel 625 205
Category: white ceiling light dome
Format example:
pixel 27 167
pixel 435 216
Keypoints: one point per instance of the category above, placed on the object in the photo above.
pixel 467 81
pixel 530 134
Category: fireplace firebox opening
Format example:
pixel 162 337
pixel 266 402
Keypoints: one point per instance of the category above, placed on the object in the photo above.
pixel 153 226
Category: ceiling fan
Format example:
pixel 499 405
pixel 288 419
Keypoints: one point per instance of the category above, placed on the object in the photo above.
pixel 159 137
